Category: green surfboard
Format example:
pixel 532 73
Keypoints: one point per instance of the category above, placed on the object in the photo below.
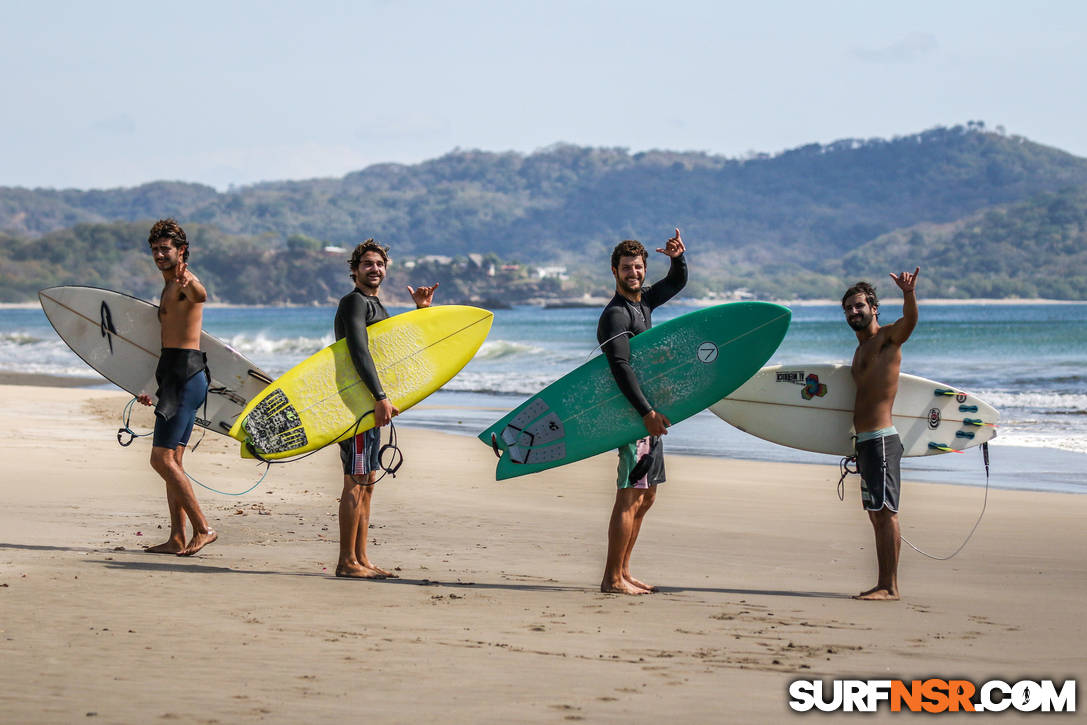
pixel 683 366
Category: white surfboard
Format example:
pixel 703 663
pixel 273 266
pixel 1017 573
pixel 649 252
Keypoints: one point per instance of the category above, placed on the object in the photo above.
pixel 810 407
pixel 120 337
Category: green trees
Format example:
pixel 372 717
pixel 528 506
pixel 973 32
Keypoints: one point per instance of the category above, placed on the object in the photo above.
pixel 960 199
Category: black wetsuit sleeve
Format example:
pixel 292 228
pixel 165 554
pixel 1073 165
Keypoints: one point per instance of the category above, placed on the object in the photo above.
pixel 611 332
pixel 667 288
pixel 354 311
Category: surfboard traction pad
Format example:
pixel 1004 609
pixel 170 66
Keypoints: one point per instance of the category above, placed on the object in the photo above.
pixel 274 426
pixel 529 434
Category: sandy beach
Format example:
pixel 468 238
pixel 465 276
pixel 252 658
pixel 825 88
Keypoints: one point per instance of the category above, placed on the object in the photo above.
pixel 496 616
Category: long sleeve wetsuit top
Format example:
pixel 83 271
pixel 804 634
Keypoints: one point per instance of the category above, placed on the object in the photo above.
pixel 621 316
pixel 356 312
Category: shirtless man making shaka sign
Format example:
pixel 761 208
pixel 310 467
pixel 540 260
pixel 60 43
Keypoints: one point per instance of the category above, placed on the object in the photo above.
pixel 876 364
pixel 183 385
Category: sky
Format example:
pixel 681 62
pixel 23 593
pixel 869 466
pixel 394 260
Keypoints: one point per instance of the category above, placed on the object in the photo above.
pixel 109 93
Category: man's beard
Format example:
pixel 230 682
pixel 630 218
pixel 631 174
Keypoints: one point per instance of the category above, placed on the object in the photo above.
pixel 370 286
pixel 625 287
pixel 861 322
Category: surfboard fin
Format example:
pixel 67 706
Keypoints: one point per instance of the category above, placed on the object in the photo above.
pixel 943 447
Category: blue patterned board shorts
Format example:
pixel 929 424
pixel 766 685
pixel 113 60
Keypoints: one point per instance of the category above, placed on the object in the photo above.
pixel 359 454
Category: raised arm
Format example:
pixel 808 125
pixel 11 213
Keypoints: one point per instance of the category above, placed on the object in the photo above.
pixel 190 285
pixel 667 288
pixel 903 327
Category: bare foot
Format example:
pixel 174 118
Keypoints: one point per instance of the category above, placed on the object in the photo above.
pixel 198 542
pixel 878 594
pixel 360 572
pixel 638 583
pixel 379 570
pixel 172 546
pixel 621 588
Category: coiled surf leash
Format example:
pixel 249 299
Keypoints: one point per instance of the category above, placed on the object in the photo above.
pixel 844 467
pixel 391 448
pixel 126 429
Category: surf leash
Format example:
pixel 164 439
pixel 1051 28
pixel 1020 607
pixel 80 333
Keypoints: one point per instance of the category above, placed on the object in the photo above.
pixel 230 493
pixel 395 462
pixel 126 429
pixel 846 466
pixel 601 345
pixel 984 503
pixel 849 465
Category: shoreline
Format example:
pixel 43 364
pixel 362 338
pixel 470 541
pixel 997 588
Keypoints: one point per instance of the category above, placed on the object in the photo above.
pixel 1006 476
pixel 50 381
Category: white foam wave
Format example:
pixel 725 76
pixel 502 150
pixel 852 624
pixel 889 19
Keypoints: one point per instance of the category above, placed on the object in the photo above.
pixel 19 338
pixel 1040 401
pixel 499 349
pixel 1011 436
pixel 263 344
pixel 476 382
pixel 25 353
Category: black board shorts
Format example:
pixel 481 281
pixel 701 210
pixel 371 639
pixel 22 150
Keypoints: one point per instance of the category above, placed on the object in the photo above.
pixel 879 462
pixel 175 431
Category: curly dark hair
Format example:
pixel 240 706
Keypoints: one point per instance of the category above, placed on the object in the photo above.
pixel 864 288
pixel 169 229
pixel 628 248
pixel 368 246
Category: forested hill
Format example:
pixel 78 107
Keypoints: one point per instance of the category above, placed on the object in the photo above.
pixel 824 199
pixel 1035 248
pixel 783 223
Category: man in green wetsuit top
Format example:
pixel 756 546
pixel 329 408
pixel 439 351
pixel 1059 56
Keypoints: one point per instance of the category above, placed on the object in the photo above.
pixel 359 454
pixel 641 463
pixel 876 365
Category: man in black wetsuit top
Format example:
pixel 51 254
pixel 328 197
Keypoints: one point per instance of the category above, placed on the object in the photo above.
pixel 359 454
pixel 641 463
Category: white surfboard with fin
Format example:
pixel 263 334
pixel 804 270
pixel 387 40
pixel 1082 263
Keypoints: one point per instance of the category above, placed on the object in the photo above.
pixel 810 407
pixel 120 337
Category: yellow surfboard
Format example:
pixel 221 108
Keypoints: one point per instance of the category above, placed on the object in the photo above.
pixel 319 400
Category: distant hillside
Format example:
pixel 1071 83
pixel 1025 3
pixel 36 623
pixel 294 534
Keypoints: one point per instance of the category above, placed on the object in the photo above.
pixel 38 211
pixel 818 198
pixel 1036 248
pixel 795 223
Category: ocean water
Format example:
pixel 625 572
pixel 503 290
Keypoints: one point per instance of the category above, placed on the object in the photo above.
pixel 1029 361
